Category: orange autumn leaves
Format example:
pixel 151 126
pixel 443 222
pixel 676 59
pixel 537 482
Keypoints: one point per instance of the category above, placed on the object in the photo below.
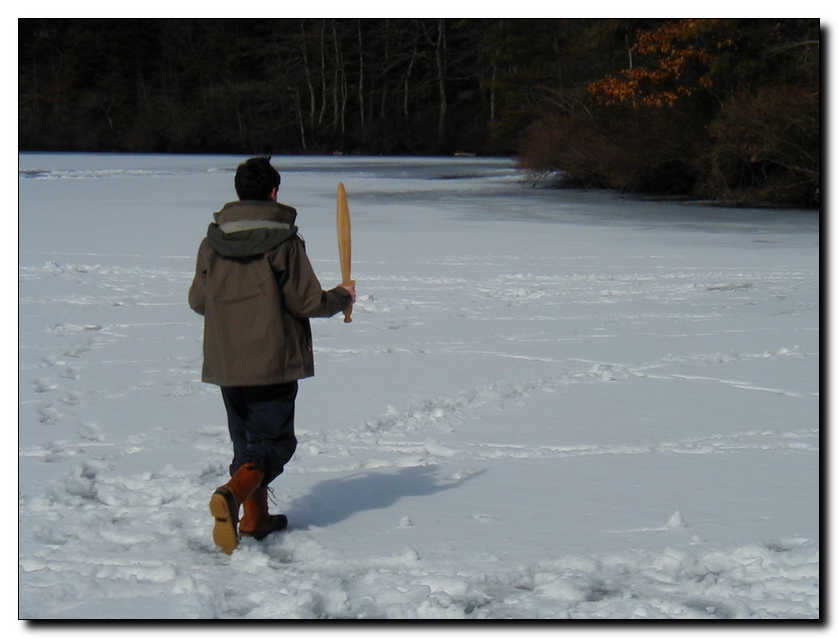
pixel 677 61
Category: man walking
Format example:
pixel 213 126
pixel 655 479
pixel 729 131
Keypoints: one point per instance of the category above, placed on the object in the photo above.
pixel 256 289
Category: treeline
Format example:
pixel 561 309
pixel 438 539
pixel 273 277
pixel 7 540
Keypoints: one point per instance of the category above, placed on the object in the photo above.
pixel 709 108
pixel 719 109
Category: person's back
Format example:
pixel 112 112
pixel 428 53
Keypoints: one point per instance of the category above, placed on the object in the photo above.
pixel 256 289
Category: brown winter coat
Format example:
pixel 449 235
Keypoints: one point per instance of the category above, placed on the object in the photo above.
pixel 256 289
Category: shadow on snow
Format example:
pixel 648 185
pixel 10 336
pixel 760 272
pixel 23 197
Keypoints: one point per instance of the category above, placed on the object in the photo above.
pixel 335 500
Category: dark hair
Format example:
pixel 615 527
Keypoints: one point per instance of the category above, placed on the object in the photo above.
pixel 256 178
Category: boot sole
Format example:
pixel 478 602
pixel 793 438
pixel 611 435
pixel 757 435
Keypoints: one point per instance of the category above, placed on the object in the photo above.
pixel 225 512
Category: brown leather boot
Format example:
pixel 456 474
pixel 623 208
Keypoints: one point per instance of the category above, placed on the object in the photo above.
pixel 256 521
pixel 224 505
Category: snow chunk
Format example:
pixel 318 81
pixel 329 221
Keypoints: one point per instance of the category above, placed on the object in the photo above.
pixel 676 521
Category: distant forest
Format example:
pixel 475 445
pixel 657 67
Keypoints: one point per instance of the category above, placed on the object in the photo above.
pixel 711 108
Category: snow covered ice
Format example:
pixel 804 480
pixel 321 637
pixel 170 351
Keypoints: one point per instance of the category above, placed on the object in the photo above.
pixel 550 404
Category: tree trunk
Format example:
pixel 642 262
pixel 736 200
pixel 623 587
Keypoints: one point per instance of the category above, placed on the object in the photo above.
pixel 361 82
pixel 312 99
pixel 440 69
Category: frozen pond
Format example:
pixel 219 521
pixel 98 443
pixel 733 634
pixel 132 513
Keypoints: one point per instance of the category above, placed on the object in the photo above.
pixel 550 404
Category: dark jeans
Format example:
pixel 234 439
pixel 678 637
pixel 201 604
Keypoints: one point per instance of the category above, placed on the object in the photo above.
pixel 261 422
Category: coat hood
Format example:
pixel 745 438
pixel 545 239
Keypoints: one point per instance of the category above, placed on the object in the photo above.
pixel 251 228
